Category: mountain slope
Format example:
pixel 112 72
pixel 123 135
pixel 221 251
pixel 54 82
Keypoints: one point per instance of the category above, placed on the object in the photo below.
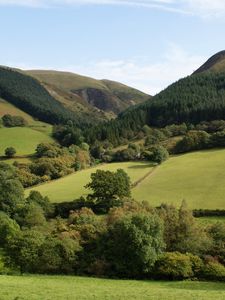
pixel 27 94
pixel 86 93
pixel 196 98
pixel 215 63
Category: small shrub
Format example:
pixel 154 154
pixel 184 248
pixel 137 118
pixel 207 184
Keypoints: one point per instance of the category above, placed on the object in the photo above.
pixel 176 266
pixel 213 271
pixel 10 152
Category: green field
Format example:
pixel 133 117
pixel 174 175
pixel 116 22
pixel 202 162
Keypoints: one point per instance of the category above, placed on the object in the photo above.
pixel 8 108
pixel 81 288
pixel 72 186
pixel 23 139
pixel 211 220
pixel 197 177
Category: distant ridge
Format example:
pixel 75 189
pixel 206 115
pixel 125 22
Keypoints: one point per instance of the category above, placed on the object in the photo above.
pixel 212 62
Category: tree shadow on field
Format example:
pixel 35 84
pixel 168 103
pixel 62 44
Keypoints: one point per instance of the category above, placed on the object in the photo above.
pixel 143 166
pixel 193 285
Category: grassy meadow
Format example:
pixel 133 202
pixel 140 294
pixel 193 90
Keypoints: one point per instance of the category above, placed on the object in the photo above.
pixel 197 177
pixel 23 139
pixel 81 288
pixel 72 187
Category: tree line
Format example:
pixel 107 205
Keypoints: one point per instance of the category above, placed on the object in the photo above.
pixel 128 240
pixel 191 100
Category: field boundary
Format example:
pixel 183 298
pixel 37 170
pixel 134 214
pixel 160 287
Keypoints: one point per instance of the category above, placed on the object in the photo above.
pixel 150 173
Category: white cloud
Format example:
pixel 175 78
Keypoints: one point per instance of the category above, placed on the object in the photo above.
pixel 202 8
pixel 206 8
pixel 144 75
pixel 138 73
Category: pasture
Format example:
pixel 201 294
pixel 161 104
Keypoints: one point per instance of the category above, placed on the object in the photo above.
pixel 72 187
pixel 23 139
pixel 81 288
pixel 197 177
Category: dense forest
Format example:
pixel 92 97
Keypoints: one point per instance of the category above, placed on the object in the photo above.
pixel 29 95
pixel 194 99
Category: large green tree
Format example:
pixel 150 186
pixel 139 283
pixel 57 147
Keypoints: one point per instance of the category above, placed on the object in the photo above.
pixel 11 190
pixel 134 244
pixel 109 188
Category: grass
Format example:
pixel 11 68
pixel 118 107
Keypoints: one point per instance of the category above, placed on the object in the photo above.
pixel 81 288
pixel 211 220
pixel 23 139
pixel 72 186
pixel 67 81
pixel 197 177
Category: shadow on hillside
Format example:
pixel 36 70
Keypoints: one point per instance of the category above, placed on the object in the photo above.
pixel 143 166
pixel 195 285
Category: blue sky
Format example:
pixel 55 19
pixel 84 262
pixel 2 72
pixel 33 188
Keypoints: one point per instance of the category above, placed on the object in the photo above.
pixel 147 44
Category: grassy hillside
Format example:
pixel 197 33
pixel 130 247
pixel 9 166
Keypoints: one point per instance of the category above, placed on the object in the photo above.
pixel 197 177
pixel 66 80
pixel 85 93
pixel 71 187
pixel 81 288
pixel 8 108
pixel 23 139
pixel 216 63
pixel 194 99
pixel 27 94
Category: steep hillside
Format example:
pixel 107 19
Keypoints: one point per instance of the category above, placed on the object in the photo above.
pixel 216 63
pixel 197 177
pixel 196 98
pixel 23 139
pixel 27 94
pixel 80 92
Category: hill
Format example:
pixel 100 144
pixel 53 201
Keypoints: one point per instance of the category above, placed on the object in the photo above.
pixel 27 94
pixel 196 98
pixel 23 139
pixel 84 93
pixel 72 187
pixel 216 63
pixel 197 177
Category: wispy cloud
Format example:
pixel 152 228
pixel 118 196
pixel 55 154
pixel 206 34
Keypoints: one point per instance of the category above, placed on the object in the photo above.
pixel 143 74
pixel 202 8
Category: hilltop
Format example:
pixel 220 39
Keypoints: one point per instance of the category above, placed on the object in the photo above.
pixel 81 93
pixel 197 98
pixel 216 63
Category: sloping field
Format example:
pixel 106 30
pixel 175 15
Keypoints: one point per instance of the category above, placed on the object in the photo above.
pixel 72 186
pixel 8 108
pixel 81 288
pixel 197 177
pixel 23 139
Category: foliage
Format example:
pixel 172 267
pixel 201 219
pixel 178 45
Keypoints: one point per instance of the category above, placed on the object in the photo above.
pixel 213 271
pixel 13 121
pixel 134 243
pixel 177 266
pixel 157 154
pixel 109 188
pixel 29 95
pixel 191 100
pixel 194 140
pixel 11 190
pixel 10 152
